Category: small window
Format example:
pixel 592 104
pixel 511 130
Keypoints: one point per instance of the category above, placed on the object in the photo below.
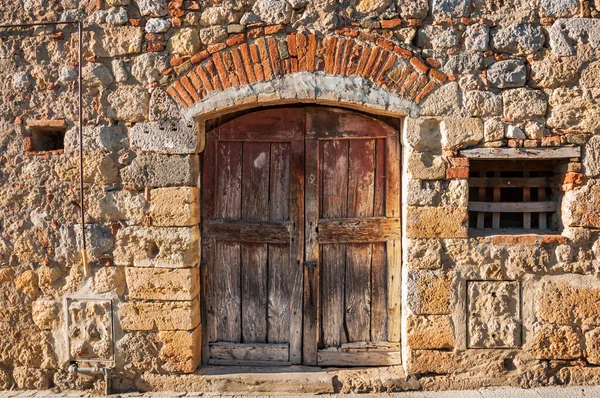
pixel 45 136
pixel 514 196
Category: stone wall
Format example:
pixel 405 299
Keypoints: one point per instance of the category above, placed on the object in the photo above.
pixel 477 311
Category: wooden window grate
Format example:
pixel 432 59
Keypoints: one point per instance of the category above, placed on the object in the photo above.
pixel 513 196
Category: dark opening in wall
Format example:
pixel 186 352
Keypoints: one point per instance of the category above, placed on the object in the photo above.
pixel 45 136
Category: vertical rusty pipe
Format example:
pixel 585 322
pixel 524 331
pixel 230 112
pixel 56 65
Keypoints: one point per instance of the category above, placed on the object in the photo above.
pixel 86 270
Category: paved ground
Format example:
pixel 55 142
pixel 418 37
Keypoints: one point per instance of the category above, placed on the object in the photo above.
pixel 548 392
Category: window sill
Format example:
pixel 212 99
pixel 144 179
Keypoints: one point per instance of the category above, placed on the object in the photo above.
pixel 519 236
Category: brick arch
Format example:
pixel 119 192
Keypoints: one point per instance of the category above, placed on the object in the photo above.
pixel 348 67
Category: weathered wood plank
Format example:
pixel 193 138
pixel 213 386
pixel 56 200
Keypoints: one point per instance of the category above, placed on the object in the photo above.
pixel 513 165
pixel 235 362
pixel 311 267
pixel 506 182
pixel 513 207
pixel 371 346
pixel 268 125
pixel 278 311
pixel 379 271
pixel 526 198
pixel 274 232
pixel 497 197
pixel 296 272
pixel 368 358
pixel 522 153
pixel 250 352
pixel 227 292
pixel 228 180
pixel 328 123
pixel 333 273
pixel 393 183
pixel 543 224
pixel 347 230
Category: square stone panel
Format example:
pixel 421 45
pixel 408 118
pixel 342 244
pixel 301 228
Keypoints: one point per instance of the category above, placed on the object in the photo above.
pixel 494 314
pixel 90 329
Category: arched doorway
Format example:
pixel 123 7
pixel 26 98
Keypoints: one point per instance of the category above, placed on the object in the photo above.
pixel 301 239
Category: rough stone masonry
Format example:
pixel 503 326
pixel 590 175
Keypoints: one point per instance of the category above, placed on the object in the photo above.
pixel 477 310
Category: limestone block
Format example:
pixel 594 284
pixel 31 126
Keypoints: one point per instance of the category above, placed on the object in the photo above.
pixel 529 259
pixel 116 206
pixel 524 103
pixel 147 68
pixel 153 170
pixel 431 361
pixel 444 193
pixel 110 42
pixel 178 206
pixel 157 25
pixel 424 254
pixel 518 39
pixel 436 222
pixel 477 37
pixel 464 62
pixel 590 75
pixel 438 37
pixel 412 8
pixel 592 346
pixel 97 75
pixel 423 134
pixel 90 329
pixel 567 36
pixel 506 13
pixel 574 108
pixel 162 284
pixel 109 280
pixel 116 16
pixel 564 304
pixel 212 34
pixel 27 283
pixel 430 332
pixel 557 342
pixel 152 8
pixel 429 292
pixel 559 8
pixel 426 166
pixel 507 74
pixel 165 136
pixel 45 314
pixel 96 139
pixel 98 168
pixel 553 71
pixel 180 351
pixel 534 130
pixel 185 42
pixel 461 132
pixel 591 157
pixel 279 12
pixel 483 103
pixel 494 314
pixel 162 106
pixel 443 101
pixel 28 378
pixel 580 206
pixel 493 130
pixel 175 315
pixel 167 247
pixel 217 15
pixel 451 8
pixel 127 103
pixel 513 132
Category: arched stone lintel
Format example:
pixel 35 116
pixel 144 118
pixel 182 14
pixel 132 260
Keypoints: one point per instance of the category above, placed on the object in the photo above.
pixel 303 87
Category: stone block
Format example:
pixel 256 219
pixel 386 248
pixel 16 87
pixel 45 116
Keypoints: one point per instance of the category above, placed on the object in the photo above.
pixel 436 222
pixel 412 9
pixel 165 136
pixel 590 75
pixel 483 103
pixel 98 169
pixel 162 284
pixel 461 132
pixel 116 206
pixel 90 329
pixel 168 247
pixel 518 39
pixel 477 37
pixel 176 206
pixel 154 170
pixel 565 304
pixel 180 351
pixel 28 378
pixel 185 42
pixel 423 134
pixel 464 63
pixel 175 315
pixel 445 100
pixel 494 315
pixel 507 74
pixel 424 254
pixel 45 314
pixel 109 42
pixel 557 342
pixel 524 103
pixel 580 206
pixel 127 103
pixel 574 108
pixel 444 193
pixel 451 8
pixel 553 71
pixel 152 8
pixel 109 280
pixel 426 166
pixel 493 130
pixel 592 346
pixel 591 157
pixel 429 292
pixel 162 106
pixel 567 36
pixel 436 362
pixel 430 332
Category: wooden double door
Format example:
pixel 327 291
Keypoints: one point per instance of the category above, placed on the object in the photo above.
pixel 301 240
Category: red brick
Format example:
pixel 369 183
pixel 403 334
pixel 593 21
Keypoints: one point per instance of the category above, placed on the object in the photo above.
pixel 554 239
pixel 311 52
pixel 453 173
pixel 229 68
pixel 347 54
pixel 339 55
pixel 274 55
pixel 354 59
pixel 176 61
pixel 196 81
pixel 403 52
pixel 189 87
pixel 264 58
pixel 154 37
pixel 413 22
pixel 428 89
pixel 137 22
pixel 201 56
pixel 205 79
pixel 405 74
pixel 388 45
pixel 438 76
pixel 384 71
pixel 213 48
pixel 28 144
pixel 273 29
pixel 508 240
pixel 347 32
pixel 245 52
pixel 460 162
pixel 183 93
pixel 294 65
pixel 176 22
pixel 391 23
pixel 291 39
pixel 573 178
pixel 235 40
pixel 433 63
pixel 514 143
pixel 254 33
pixel 177 13
pixel 212 73
pixel 371 62
pixel 258 71
pixel 383 56
pixel 155 47
pixel 239 66
pixel 408 83
pixel 221 72
pixel 551 141
pixel 330 46
pixel 419 65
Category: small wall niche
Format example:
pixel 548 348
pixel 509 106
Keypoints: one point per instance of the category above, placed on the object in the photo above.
pixel 45 136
